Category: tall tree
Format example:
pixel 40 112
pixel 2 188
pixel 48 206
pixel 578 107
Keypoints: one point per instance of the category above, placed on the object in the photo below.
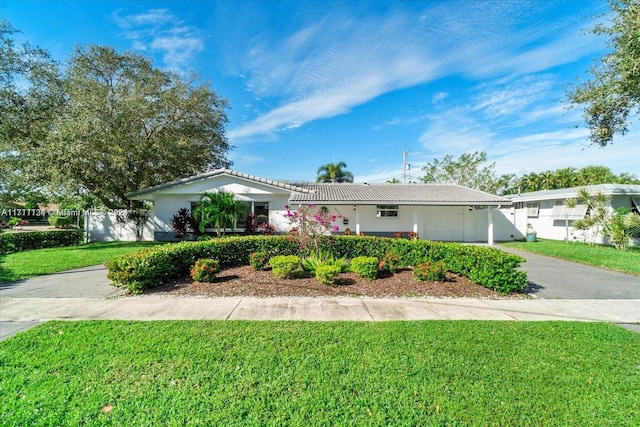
pixel 30 98
pixel 120 125
pixel 613 93
pixel 334 172
pixel 468 170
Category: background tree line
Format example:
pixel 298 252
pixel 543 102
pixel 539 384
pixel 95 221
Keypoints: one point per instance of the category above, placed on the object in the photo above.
pixel 472 170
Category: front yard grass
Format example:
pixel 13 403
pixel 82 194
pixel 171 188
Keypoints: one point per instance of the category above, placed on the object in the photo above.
pixel 21 265
pixel 427 373
pixel 596 255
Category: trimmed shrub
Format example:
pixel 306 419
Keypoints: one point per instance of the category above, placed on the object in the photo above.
pixel 161 264
pixel 327 274
pixel 486 266
pixel 432 271
pixel 285 266
pixel 30 240
pixel 259 260
pixel 390 262
pixel 365 267
pixel 205 270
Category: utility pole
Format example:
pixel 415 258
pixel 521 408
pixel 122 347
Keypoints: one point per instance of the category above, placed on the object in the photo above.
pixel 405 166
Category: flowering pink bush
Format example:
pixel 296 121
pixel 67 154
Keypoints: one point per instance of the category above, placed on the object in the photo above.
pixel 312 222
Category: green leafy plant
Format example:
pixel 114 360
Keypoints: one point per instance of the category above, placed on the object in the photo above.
pixel 311 262
pixel 327 274
pixel 205 270
pixel 390 262
pixel 285 266
pixel 219 210
pixel 365 267
pixel 259 260
pixel 431 271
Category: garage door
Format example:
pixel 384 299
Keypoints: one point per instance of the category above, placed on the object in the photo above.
pixel 443 223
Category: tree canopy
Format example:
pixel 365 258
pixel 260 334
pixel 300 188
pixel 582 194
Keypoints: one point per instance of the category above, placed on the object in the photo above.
pixel 468 170
pixel 30 98
pixel 613 93
pixel 109 124
pixel 569 177
pixel 334 172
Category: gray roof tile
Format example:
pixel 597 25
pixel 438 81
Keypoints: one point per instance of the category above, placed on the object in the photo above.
pixel 427 194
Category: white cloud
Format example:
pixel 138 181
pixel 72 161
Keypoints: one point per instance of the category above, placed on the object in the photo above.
pixel 244 160
pixel 159 30
pixel 454 132
pixel 439 96
pixel 331 66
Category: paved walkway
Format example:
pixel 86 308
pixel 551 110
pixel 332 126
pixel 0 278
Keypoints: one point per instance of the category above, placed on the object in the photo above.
pixel 85 294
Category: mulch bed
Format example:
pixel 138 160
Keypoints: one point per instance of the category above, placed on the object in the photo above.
pixel 244 281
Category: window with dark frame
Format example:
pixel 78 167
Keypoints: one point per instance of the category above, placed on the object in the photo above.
pixel 387 211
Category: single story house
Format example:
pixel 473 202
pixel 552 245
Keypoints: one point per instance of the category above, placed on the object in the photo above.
pixel 548 214
pixel 445 212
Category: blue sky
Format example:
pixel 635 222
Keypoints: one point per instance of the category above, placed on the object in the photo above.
pixel 312 82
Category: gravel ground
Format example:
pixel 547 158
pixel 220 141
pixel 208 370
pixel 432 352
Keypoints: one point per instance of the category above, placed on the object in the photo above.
pixel 244 281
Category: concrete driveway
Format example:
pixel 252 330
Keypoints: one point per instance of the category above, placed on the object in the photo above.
pixel 553 278
pixel 86 282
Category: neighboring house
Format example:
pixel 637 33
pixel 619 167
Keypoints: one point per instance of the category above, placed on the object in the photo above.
pixel 446 212
pixel 552 219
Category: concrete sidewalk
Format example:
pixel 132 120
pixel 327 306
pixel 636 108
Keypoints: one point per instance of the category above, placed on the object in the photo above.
pixel 316 309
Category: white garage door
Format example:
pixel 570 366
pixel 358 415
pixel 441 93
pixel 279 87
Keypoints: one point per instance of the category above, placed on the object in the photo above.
pixel 443 223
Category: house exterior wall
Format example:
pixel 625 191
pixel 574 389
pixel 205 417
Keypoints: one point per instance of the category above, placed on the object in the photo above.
pixel 443 223
pixel 551 228
pixel 166 207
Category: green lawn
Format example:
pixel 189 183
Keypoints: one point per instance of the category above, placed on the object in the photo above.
pixel 236 373
pixel 20 265
pixel 598 255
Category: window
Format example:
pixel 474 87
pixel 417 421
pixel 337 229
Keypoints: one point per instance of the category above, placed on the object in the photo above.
pixel 562 211
pixel 387 211
pixel 532 209
pixel 261 211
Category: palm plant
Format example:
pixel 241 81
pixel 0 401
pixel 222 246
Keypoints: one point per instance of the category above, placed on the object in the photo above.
pixel 334 172
pixel 218 209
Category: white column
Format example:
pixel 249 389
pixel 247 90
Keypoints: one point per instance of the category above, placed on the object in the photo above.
pixel 490 228
pixel 357 221
pixel 415 219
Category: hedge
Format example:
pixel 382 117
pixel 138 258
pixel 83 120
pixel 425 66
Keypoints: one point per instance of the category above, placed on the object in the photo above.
pixel 29 240
pixel 484 265
pixel 161 264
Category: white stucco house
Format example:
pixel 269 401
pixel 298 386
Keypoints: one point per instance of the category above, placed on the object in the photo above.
pixel 445 212
pixel 546 211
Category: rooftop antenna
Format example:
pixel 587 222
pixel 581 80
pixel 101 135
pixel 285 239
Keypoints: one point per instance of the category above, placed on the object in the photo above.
pixel 405 166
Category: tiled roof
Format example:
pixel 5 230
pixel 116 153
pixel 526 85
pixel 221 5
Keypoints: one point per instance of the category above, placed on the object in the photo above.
pixel 422 194
pixel 419 194
pixel 211 174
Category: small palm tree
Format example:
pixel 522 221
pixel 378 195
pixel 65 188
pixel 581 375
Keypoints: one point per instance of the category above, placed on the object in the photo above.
pixel 334 172
pixel 218 209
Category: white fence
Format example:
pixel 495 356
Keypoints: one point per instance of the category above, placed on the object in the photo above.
pixel 107 227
